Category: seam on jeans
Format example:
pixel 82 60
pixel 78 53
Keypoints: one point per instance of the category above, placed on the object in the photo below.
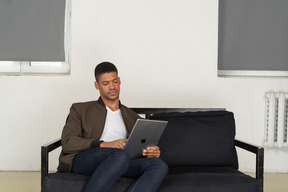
pixel 139 178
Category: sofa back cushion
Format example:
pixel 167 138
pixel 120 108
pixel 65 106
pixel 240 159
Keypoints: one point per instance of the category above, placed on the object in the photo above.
pixel 194 139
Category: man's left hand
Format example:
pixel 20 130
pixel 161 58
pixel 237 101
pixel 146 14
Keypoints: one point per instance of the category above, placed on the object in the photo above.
pixel 151 151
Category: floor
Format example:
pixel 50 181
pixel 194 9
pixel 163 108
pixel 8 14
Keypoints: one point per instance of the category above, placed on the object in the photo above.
pixel 30 182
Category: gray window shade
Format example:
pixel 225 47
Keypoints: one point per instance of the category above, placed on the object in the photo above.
pixel 253 35
pixel 32 30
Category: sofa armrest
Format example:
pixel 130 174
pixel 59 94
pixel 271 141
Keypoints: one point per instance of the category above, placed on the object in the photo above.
pixel 259 152
pixel 45 149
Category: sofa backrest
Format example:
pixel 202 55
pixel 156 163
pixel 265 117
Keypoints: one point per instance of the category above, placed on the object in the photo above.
pixel 196 139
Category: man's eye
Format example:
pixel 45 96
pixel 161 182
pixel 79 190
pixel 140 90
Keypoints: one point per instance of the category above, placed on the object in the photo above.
pixel 115 81
pixel 105 83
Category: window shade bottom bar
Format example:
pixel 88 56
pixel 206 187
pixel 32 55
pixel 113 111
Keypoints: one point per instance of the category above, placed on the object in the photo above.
pixel 253 73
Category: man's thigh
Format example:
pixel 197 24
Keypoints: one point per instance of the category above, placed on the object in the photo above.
pixel 85 162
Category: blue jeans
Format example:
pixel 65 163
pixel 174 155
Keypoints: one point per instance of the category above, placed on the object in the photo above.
pixel 106 165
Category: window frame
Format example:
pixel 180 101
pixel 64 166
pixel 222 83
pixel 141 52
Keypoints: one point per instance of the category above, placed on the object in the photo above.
pixel 21 68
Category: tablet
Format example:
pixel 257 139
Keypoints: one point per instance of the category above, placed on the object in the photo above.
pixel 144 133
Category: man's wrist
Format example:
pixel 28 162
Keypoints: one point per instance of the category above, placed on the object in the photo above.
pixel 96 143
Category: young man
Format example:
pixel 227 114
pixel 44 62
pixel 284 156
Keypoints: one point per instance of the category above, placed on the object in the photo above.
pixel 93 137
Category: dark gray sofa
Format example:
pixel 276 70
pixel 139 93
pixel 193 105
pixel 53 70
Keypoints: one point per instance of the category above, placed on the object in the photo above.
pixel 199 147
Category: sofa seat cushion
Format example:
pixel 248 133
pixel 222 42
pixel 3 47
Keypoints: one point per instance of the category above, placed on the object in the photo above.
pixel 208 180
pixel 69 182
pixel 57 182
pixel 193 139
pixel 182 179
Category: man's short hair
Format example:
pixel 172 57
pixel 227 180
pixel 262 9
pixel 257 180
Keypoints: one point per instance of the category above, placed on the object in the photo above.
pixel 104 67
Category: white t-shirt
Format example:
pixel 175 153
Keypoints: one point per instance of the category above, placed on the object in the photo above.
pixel 114 126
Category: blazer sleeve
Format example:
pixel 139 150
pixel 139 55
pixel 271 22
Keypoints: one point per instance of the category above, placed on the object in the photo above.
pixel 72 134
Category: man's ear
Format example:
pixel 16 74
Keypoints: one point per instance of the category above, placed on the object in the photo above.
pixel 96 84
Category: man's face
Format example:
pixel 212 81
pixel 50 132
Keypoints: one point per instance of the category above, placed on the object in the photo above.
pixel 109 86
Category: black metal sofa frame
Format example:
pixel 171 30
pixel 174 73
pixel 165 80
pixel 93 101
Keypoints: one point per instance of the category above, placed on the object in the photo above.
pixel 148 112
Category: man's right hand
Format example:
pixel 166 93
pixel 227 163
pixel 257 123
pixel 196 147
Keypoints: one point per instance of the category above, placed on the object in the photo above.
pixel 114 144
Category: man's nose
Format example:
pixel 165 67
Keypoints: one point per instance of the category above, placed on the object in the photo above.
pixel 111 86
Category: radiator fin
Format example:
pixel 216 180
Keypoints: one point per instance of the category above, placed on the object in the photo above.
pixel 276 119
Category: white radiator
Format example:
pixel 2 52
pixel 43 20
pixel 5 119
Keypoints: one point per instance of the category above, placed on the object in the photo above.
pixel 276 119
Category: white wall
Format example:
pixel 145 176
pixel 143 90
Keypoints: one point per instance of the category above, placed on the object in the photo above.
pixel 166 52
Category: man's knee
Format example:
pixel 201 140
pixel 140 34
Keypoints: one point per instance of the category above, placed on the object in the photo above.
pixel 121 157
pixel 158 164
pixel 163 167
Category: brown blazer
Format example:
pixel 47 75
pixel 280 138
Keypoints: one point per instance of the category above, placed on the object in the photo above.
pixel 84 127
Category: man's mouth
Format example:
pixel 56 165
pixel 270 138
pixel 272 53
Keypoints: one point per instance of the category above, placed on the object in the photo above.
pixel 112 92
